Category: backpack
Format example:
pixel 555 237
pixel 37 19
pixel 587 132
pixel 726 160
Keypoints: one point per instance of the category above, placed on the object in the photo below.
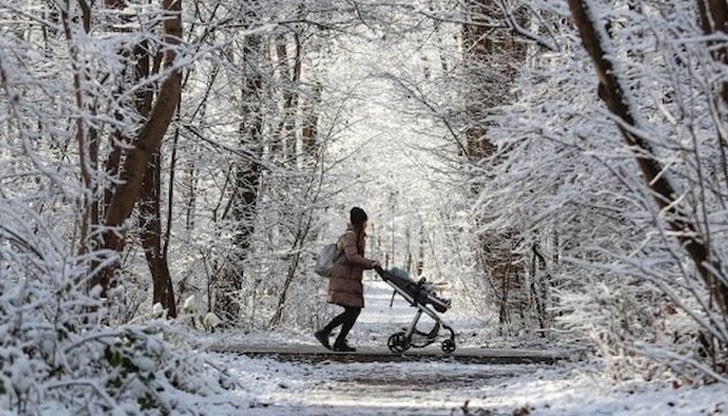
pixel 326 259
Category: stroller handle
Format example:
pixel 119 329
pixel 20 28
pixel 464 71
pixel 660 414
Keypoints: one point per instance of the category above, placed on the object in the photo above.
pixel 382 273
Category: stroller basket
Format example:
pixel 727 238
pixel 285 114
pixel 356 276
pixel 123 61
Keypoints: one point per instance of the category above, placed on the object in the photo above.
pixel 421 295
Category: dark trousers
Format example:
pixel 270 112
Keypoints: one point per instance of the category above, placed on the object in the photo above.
pixel 346 319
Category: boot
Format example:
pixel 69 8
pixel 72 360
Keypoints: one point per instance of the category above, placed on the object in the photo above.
pixel 323 338
pixel 342 346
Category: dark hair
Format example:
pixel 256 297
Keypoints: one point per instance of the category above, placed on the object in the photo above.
pixel 358 217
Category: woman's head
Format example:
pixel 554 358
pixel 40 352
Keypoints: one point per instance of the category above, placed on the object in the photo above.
pixel 358 218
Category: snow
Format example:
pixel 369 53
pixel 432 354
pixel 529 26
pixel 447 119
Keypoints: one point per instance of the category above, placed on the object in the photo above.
pixel 439 387
pixel 390 133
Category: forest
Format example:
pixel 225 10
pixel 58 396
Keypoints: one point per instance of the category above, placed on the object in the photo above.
pixel 170 168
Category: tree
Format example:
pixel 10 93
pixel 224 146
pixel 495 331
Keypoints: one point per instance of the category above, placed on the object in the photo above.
pixel 247 170
pixel 490 56
pixel 145 146
pixel 614 94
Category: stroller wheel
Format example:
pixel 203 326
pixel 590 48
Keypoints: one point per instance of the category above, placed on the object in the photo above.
pixel 398 343
pixel 448 346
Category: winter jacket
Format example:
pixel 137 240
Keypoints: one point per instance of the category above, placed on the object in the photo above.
pixel 345 287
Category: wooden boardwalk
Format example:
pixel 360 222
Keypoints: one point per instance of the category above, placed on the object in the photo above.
pixel 470 355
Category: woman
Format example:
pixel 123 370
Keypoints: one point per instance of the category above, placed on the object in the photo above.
pixel 345 287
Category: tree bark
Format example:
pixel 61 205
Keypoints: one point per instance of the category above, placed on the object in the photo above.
pixel 150 207
pixel 147 142
pixel 246 182
pixel 713 19
pixel 614 96
pixel 477 47
pixel 491 55
pixel 150 214
pixel 117 140
pixel 304 226
pixel 285 143
pixel 86 136
pixel 309 130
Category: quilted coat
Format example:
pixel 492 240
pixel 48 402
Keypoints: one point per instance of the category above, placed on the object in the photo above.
pixel 345 286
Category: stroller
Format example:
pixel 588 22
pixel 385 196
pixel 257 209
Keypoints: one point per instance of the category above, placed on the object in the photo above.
pixel 422 296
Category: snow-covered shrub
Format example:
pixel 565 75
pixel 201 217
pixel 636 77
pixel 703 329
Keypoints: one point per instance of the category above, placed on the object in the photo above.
pixel 62 349
pixel 57 355
pixel 565 180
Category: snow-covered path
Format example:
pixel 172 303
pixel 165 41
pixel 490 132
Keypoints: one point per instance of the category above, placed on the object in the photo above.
pixel 387 388
pixel 425 388
pixel 409 389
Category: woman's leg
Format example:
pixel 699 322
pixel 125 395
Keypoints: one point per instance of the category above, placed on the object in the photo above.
pixel 351 313
pixel 322 335
pixel 339 319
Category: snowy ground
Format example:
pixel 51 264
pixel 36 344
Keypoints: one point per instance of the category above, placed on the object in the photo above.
pixel 444 388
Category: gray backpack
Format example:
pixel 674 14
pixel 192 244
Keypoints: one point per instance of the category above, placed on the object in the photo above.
pixel 326 259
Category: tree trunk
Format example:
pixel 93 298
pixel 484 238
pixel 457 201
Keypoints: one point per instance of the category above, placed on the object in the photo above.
pixel 247 181
pixel 146 144
pixel 304 226
pixel 117 140
pixel 191 204
pixel 309 131
pixel 656 179
pixel 150 206
pixel 490 54
pixel 150 214
pixel 284 145
pixel 289 129
pixel 714 18
pixel 477 48
pixel 86 135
